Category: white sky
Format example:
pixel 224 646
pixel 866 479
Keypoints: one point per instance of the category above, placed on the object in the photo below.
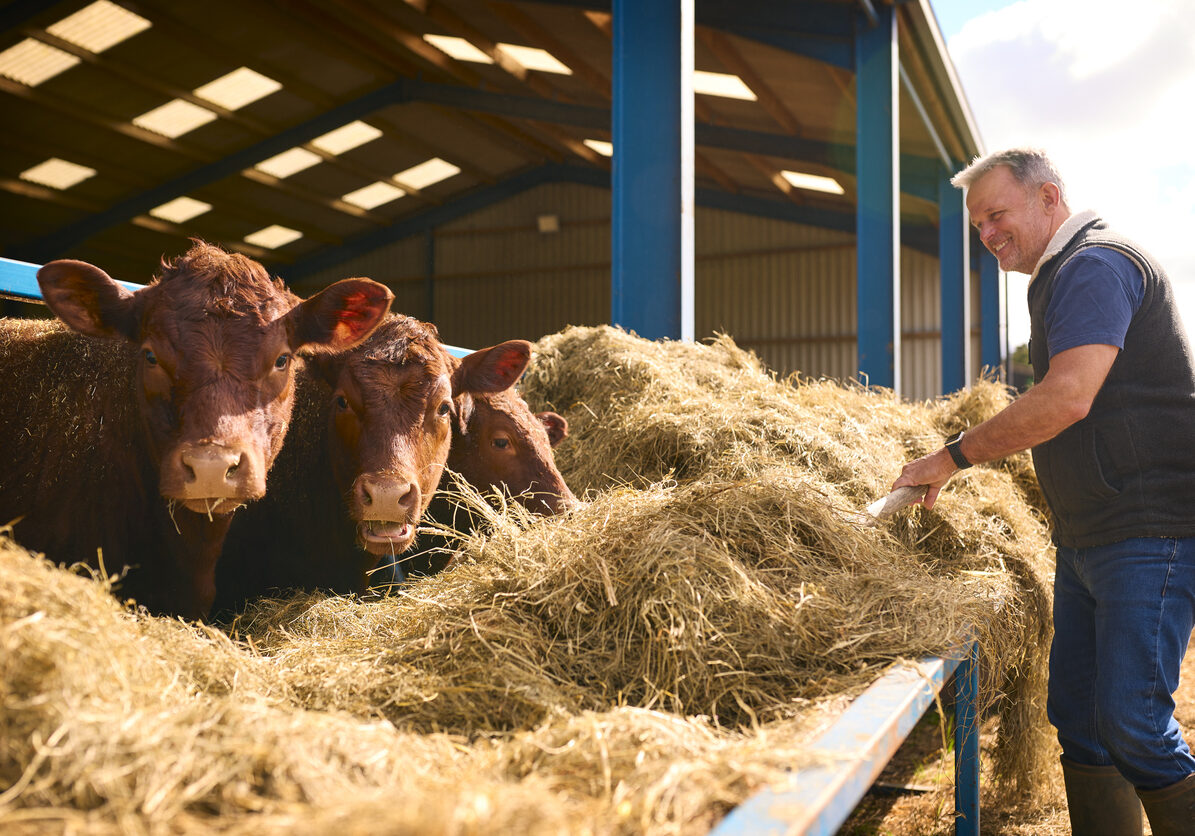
pixel 1108 89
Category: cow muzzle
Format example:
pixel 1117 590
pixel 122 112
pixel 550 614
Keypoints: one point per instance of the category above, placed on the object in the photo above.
pixel 387 508
pixel 213 478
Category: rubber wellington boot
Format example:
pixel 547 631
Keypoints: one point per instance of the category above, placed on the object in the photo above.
pixel 1101 802
pixel 1171 809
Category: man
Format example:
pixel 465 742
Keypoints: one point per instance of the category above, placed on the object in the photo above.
pixel 1111 422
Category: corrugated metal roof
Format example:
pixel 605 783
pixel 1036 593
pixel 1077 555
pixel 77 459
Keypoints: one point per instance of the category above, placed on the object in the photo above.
pixel 368 63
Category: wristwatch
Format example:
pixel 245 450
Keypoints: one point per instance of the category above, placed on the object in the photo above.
pixel 953 448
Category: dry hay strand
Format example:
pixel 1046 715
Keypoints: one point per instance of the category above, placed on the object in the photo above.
pixel 638 665
pixel 737 600
pixel 112 721
pixel 641 412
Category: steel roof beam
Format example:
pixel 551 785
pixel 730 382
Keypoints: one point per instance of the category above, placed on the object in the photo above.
pixel 919 175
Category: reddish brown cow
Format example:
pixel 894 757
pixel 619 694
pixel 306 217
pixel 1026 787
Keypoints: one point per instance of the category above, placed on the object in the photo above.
pixel 498 444
pixel 131 453
pixel 367 447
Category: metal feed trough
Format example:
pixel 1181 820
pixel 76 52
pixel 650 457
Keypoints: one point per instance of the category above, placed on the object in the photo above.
pixel 853 751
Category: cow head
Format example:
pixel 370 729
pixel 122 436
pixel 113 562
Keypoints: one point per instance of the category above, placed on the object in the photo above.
pixel 390 424
pixel 501 445
pixel 217 339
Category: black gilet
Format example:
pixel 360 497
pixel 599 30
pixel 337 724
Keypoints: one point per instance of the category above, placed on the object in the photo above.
pixel 1128 468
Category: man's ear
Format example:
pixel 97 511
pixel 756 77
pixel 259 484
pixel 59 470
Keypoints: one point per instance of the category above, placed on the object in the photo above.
pixel 89 300
pixel 1051 196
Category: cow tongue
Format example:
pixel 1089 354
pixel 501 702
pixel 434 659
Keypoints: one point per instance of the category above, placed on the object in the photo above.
pixel 386 533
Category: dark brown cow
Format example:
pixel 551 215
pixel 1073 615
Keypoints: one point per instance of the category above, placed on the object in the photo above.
pixel 131 453
pixel 498 445
pixel 367 447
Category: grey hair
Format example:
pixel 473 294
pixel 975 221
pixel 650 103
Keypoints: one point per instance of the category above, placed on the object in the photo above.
pixel 1030 166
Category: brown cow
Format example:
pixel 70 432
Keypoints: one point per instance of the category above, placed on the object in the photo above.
pixel 498 444
pixel 366 450
pixel 131 453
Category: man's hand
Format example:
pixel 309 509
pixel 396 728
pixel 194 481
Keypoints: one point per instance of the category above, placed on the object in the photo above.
pixel 933 470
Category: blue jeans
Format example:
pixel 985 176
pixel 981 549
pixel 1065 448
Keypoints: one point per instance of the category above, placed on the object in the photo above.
pixel 1123 615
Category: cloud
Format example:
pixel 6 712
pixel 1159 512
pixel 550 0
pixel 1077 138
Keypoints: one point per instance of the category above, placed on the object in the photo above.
pixel 1106 90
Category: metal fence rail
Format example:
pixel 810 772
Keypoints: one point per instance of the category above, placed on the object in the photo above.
pixel 18 281
pixel 855 749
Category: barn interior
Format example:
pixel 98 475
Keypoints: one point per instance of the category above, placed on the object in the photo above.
pixel 460 151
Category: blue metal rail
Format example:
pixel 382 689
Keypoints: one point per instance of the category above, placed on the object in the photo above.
pixel 855 749
pixel 18 280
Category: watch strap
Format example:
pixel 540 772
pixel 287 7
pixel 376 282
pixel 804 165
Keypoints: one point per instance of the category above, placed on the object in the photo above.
pixel 956 453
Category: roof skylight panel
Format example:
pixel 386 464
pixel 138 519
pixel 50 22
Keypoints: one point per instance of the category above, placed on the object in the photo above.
pixel 812 182
pixel 721 84
pixel 458 48
pixel 534 58
pixel 174 118
pixel 181 209
pixel 289 162
pixel 31 62
pixel 606 149
pixel 274 236
pixel 427 173
pixel 100 26
pixel 238 88
pixel 57 174
pixel 373 195
pixel 346 137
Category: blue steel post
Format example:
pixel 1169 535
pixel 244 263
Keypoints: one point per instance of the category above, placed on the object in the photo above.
pixel 966 744
pixel 991 330
pixel 877 237
pixel 646 180
pixel 954 271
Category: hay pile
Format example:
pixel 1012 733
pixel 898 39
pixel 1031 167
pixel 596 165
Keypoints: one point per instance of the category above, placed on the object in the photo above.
pixel 640 665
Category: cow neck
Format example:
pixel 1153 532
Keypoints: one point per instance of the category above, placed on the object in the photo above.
pixel 195 546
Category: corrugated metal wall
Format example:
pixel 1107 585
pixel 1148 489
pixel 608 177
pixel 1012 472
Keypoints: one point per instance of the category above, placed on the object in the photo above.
pixel 783 290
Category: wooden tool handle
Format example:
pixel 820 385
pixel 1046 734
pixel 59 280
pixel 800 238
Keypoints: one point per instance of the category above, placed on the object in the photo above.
pixel 896 500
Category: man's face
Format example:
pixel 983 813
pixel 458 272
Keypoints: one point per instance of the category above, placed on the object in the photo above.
pixel 1015 222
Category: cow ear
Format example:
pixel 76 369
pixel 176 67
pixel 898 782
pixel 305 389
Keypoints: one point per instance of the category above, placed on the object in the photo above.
pixel 555 424
pixel 338 317
pixel 492 369
pixel 464 412
pixel 325 367
pixel 89 300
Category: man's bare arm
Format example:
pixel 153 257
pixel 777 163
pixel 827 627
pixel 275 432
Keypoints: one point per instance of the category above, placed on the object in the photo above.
pixel 1063 397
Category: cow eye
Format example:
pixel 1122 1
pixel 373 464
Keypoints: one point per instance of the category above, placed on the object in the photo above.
pixel 501 443
pixel 150 358
pixel 445 408
pixel 342 402
pixel 282 362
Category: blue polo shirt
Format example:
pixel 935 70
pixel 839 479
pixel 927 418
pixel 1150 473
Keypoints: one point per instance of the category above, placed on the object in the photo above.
pixel 1096 295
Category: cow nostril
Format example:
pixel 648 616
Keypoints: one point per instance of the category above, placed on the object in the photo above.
pixel 189 472
pixel 232 469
